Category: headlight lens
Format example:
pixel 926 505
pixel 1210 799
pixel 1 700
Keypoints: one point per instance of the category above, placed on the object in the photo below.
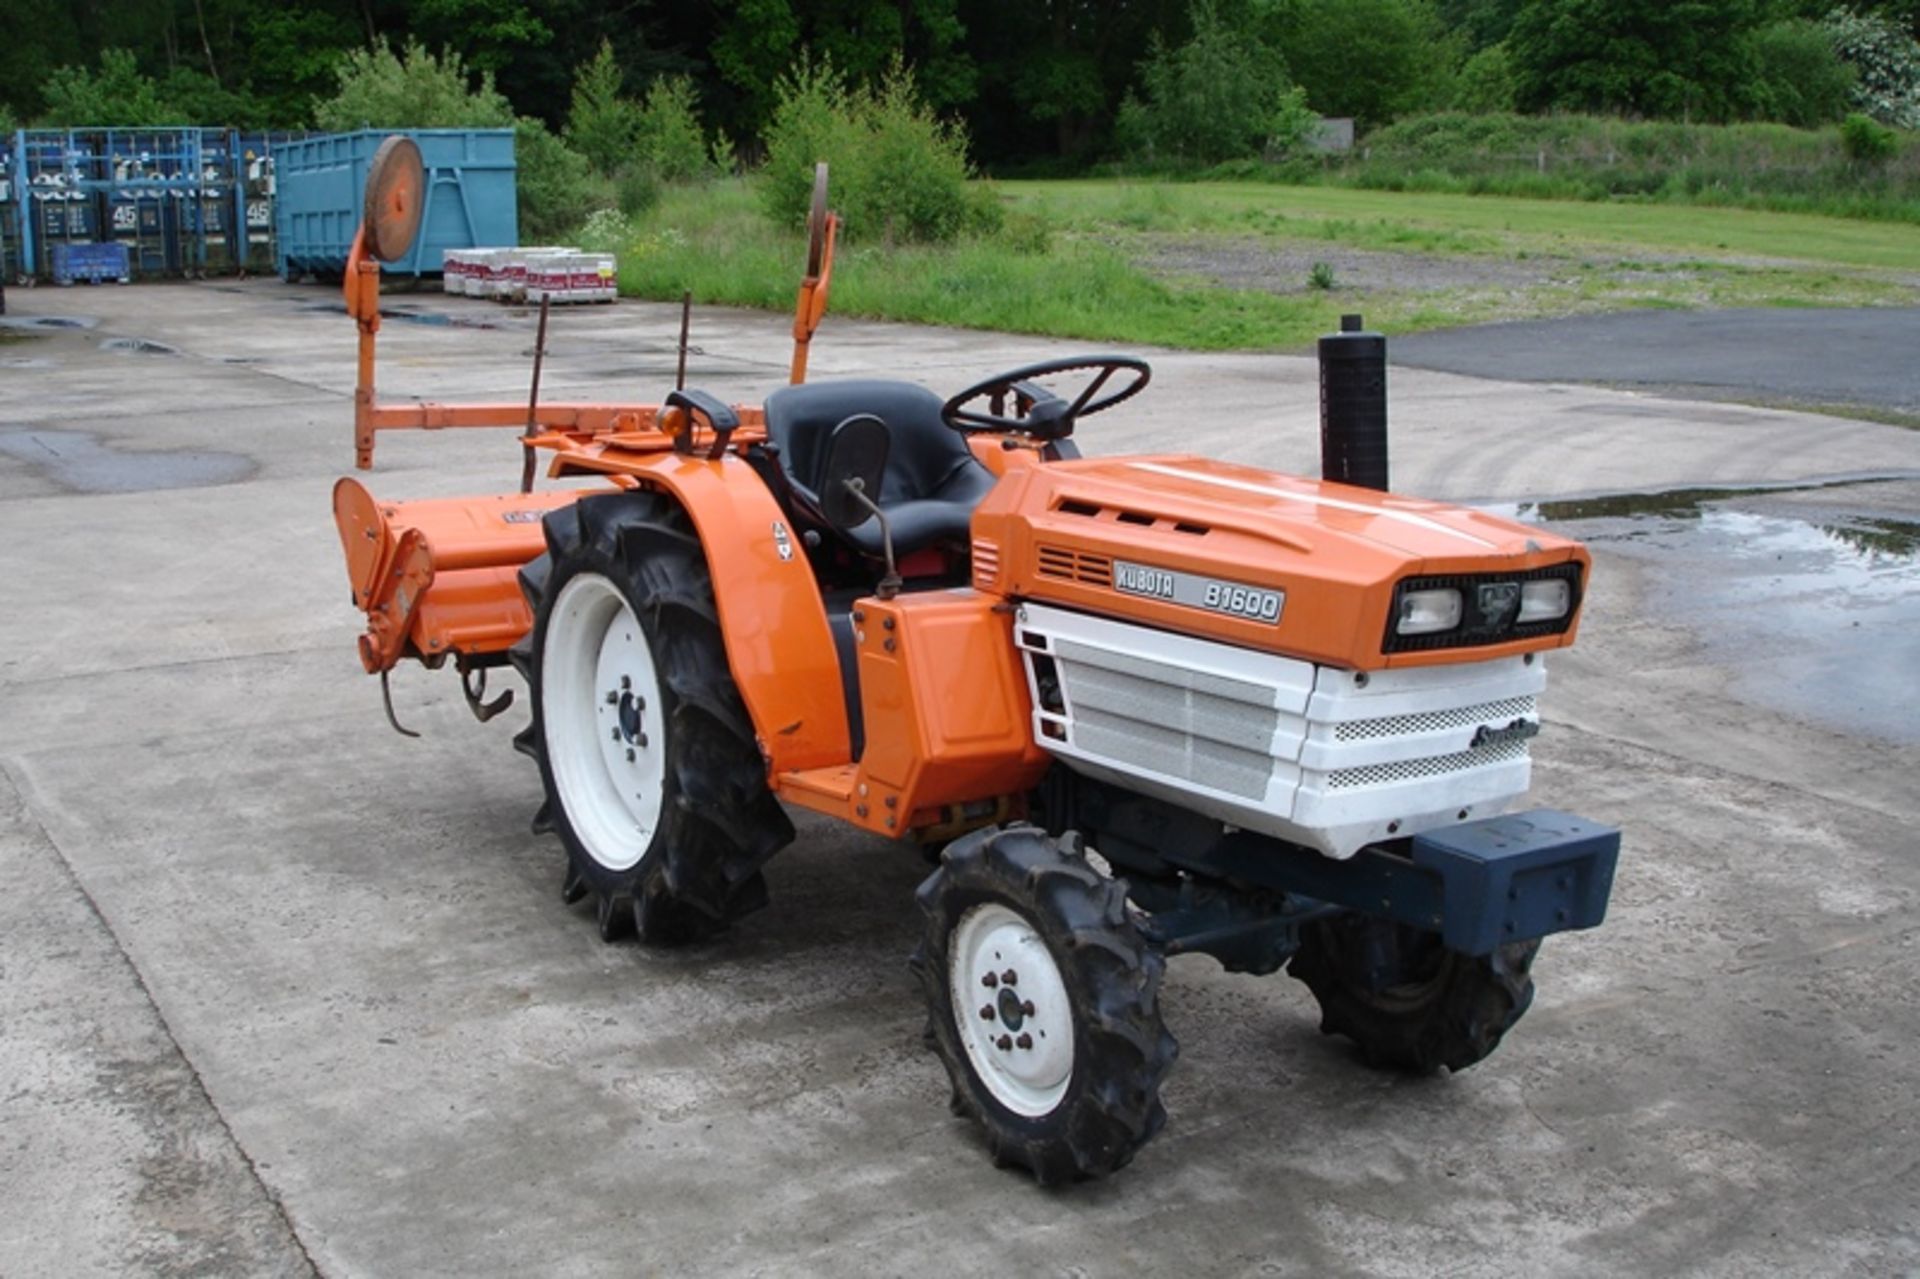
pixel 1544 600
pixel 1425 612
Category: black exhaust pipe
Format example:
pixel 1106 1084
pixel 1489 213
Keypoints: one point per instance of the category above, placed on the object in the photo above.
pixel 1353 406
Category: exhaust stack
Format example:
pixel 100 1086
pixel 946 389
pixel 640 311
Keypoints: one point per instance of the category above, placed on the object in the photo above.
pixel 1353 406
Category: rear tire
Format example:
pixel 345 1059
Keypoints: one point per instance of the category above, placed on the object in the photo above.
pixel 653 780
pixel 1408 1002
pixel 1062 1061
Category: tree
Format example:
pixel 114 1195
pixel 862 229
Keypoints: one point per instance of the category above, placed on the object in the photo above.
pixel 1369 59
pixel 1798 77
pixel 602 125
pixel 1886 64
pixel 1220 96
pixel 1485 84
pixel 668 135
pixel 377 88
pixel 1482 22
pixel 117 96
pixel 415 89
pixel 1053 72
pixel 757 40
pixel 899 172
pixel 1661 58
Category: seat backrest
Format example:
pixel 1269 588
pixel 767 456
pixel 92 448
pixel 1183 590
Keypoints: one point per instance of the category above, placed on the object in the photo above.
pixel 925 452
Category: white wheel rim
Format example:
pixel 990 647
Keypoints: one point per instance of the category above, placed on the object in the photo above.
pixel 600 714
pixel 1023 1052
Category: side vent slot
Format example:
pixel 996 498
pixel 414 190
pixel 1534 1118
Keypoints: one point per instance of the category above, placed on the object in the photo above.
pixel 1066 565
pixel 986 563
pixel 1072 506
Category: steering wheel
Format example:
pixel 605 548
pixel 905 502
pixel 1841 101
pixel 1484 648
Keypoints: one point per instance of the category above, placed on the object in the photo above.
pixel 1038 412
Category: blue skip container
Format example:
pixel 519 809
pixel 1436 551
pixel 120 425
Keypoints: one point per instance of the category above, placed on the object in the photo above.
pixel 91 264
pixel 321 182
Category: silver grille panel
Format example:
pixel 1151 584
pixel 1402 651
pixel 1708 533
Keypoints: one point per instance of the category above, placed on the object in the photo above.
pixel 1327 758
pixel 1401 770
pixel 1361 730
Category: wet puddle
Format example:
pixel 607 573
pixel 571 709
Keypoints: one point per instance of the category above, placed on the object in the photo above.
pixel 79 461
pixel 407 315
pixel 136 346
pixel 43 322
pixel 1813 607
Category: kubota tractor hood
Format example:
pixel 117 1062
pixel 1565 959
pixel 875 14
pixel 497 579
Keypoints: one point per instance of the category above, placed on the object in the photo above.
pixel 1309 569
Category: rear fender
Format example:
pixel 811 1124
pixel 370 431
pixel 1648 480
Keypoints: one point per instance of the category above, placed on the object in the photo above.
pixel 775 626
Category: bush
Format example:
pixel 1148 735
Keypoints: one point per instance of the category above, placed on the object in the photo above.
pixel 1485 84
pixel 899 172
pixel 1867 142
pixel 602 125
pixel 556 185
pixel 1798 78
pixel 1886 63
pixel 117 96
pixel 637 188
pixel 815 118
pixel 413 89
pixel 1220 96
pixel 1025 232
pixel 668 135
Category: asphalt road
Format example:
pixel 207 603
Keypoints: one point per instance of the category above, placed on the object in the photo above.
pixel 284 993
pixel 1806 357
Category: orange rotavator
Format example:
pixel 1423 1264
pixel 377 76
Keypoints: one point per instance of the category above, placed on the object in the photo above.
pixel 1142 706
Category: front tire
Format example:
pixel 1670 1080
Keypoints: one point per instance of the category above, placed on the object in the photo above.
pixel 1404 999
pixel 653 780
pixel 1043 1002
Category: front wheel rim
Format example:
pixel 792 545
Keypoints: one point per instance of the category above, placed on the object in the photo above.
pixel 1011 1007
pixel 601 717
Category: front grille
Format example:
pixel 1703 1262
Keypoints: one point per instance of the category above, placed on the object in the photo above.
pixel 1406 770
pixel 1075 566
pixel 1365 730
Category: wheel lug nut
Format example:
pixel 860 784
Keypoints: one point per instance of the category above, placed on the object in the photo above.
pixel 616 734
pixel 1004 1043
pixel 613 698
pixel 626 682
pixel 989 981
pixel 1025 1041
pixel 1010 977
pixel 641 739
pixel 1026 1009
pixel 986 1012
pixel 629 754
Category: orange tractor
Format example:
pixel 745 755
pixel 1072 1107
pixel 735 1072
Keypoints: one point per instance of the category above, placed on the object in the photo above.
pixel 1140 706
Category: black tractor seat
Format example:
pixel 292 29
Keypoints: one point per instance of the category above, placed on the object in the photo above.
pixel 932 481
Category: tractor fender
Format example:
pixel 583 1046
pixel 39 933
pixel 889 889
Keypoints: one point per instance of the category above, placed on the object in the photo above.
pixel 775 627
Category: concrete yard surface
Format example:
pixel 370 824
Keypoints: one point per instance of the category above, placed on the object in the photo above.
pixel 286 993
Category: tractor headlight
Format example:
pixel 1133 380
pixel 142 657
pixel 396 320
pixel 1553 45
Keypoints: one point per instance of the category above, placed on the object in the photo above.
pixel 1544 601
pixel 1425 612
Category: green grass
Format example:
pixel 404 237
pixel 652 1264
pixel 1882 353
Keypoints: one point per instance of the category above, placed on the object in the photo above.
pixel 1091 278
pixel 713 241
pixel 1477 223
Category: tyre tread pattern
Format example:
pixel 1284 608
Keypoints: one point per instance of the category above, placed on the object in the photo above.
pixel 1458 1022
pixel 720 823
pixel 1122 1050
